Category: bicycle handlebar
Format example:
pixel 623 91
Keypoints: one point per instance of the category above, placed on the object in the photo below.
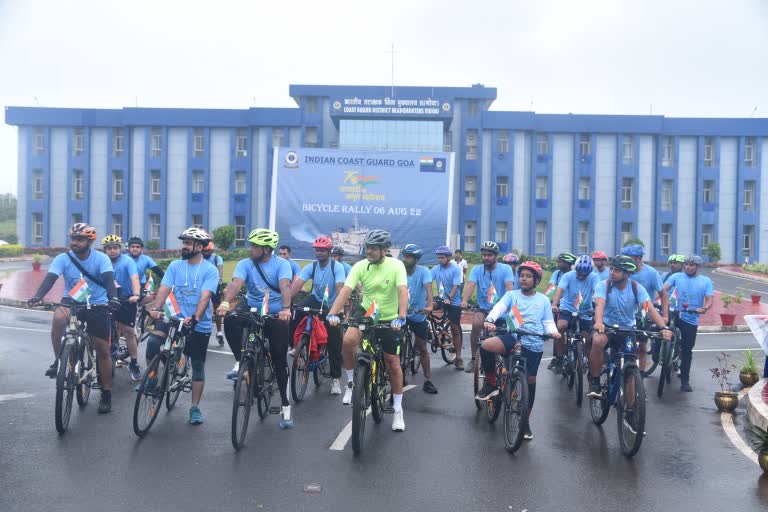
pixel 631 331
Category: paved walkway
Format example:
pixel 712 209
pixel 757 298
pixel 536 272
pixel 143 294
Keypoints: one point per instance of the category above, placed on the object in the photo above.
pixel 23 284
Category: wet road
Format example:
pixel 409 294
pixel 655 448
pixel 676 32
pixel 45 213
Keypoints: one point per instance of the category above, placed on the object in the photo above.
pixel 449 458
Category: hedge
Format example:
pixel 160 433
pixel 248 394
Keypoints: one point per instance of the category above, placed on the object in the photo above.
pixel 11 250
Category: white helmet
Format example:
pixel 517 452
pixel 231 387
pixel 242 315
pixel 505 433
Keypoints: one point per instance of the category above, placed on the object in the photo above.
pixel 196 234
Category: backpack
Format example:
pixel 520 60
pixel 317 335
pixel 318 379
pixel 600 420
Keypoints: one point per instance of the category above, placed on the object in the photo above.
pixel 609 287
pixel 333 271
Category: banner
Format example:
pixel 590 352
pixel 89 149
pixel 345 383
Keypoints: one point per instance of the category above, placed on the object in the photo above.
pixel 344 194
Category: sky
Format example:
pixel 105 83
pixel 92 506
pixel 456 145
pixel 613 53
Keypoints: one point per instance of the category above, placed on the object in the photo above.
pixel 682 58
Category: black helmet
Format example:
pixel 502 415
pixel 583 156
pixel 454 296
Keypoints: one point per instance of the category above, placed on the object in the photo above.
pixel 337 250
pixel 378 237
pixel 490 246
pixel 566 257
pixel 135 240
pixel 624 263
pixel 412 250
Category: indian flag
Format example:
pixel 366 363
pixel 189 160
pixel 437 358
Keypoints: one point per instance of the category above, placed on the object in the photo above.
pixel 150 285
pixel 577 302
pixel 441 290
pixel 673 298
pixel 426 160
pixel 550 290
pixel 492 295
pixel 644 309
pixel 265 304
pixel 326 296
pixel 171 307
pixel 80 292
pixel 515 319
pixel 373 310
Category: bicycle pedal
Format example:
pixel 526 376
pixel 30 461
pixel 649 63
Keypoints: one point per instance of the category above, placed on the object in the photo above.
pixel 274 410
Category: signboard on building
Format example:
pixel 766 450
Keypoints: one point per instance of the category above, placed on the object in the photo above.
pixel 344 194
pixel 391 107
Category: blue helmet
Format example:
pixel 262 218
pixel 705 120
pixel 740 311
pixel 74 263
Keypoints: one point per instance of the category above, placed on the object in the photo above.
pixel 584 264
pixel 443 250
pixel 412 250
pixel 633 250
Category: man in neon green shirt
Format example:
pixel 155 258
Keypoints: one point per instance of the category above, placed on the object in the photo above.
pixel 384 281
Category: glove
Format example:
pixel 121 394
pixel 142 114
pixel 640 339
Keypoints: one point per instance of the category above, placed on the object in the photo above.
pixel 333 320
pixel 397 323
pixel 114 304
pixel 34 301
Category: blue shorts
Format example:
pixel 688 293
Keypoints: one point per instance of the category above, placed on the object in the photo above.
pixel 532 359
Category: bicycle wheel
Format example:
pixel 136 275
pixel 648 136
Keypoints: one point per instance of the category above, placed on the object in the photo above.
pixel 579 372
pixel 447 350
pixel 149 397
pixel 85 361
pixel 666 367
pixel 378 392
pixel 300 370
pixel 406 355
pixel 651 357
pixel 599 407
pixel 177 372
pixel 570 364
pixel 360 392
pixel 630 408
pixel 322 369
pixel 65 386
pixel 264 388
pixel 415 357
pixel 432 337
pixel 515 405
pixel 479 377
pixel 241 405
pixel 493 406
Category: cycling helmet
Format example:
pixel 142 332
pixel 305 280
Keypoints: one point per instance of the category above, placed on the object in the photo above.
pixel 378 237
pixel 322 242
pixel 533 267
pixel 337 250
pixel 676 258
pixel 412 250
pixel 511 259
pixel 490 246
pixel 584 264
pixel 82 229
pixel 111 240
pixel 694 259
pixel 209 247
pixel 599 255
pixel 566 257
pixel 624 263
pixel 135 240
pixel 264 237
pixel 196 234
pixel 443 250
pixel 633 250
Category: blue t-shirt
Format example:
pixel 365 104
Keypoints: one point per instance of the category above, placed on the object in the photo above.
pixel 603 275
pixel 620 305
pixel 124 268
pixel 535 310
pixel 446 279
pixel 691 291
pixel 417 294
pixel 572 286
pixel 274 270
pixel 187 283
pixel 650 279
pixel 294 268
pixel 323 278
pixel 143 262
pixel 347 267
pixel 214 259
pixel 96 264
pixel 500 277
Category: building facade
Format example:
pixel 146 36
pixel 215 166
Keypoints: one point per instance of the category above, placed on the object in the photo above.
pixel 540 183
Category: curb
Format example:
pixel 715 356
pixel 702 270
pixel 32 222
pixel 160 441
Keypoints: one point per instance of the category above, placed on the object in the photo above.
pixel 14 259
pixel 14 303
pixel 757 409
pixel 746 277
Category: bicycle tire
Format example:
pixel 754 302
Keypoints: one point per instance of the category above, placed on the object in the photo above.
pixel 579 373
pixel 493 406
pixel 405 357
pixel 300 370
pixel 65 387
pixel 242 401
pixel 150 402
pixel 515 405
pixel 323 370
pixel 180 369
pixel 415 359
pixel 378 391
pixel 650 349
pixel 84 386
pixel 570 364
pixel 360 392
pixel 599 408
pixel 446 344
pixel 478 376
pixel 264 387
pixel 631 428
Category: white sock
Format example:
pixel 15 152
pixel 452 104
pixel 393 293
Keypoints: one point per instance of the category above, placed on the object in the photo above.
pixel 398 401
pixel 287 412
pixel 350 374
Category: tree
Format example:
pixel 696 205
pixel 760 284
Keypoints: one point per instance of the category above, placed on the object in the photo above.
pixel 153 245
pixel 713 251
pixel 634 241
pixel 224 237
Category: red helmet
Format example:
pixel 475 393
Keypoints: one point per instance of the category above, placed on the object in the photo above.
pixel 599 255
pixel 322 242
pixel 533 267
pixel 511 259
pixel 209 247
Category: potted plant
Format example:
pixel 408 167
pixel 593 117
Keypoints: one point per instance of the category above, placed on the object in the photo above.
pixel 748 370
pixel 37 262
pixel 728 317
pixel 725 399
pixel 760 444
pixel 755 297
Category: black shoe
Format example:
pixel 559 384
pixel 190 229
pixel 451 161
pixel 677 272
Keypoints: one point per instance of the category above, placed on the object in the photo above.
pixel 105 404
pixel 685 387
pixel 552 364
pixel 487 392
pixel 527 434
pixel 428 387
pixel 52 370
pixel 595 390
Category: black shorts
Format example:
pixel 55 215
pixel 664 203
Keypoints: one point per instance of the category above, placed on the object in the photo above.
pixel 585 326
pixel 97 321
pixel 419 329
pixel 452 312
pixel 389 339
pixel 126 315
pixel 196 346
pixel 532 359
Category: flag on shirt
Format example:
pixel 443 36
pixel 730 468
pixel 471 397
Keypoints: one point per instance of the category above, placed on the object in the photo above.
pixel 441 290
pixel 644 309
pixel 577 302
pixel 265 304
pixel 150 285
pixel 373 310
pixel 515 319
pixel 80 292
pixel 492 295
pixel 550 290
pixel 673 299
pixel 171 307
pixel 326 296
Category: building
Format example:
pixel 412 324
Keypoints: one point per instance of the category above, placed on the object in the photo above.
pixel 539 183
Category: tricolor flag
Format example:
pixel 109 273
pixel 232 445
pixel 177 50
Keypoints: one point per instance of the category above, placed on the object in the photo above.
pixel 550 290
pixel 644 309
pixel 492 295
pixel 673 299
pixel 515 319
pixel 441 290
pixel 577 302
pixel 265 304
pixel 80 292
pixel 171 307
pixel 373 310
pixel 426 160
pixel 325 295
pixel 150 285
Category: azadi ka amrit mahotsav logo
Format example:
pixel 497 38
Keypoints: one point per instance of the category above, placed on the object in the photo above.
pixel 430 164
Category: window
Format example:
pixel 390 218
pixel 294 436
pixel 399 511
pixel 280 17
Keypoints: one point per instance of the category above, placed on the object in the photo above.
pixel 470 190
pixel 241 143
pixel 37 228
pixel 541 237
pixel 37 184
pixel 628 150
pixel 502 186
pixel 666 239
pixel 393 135
pixel 198 182
pixel 747 238
pixel 78 191
pixel 470 236
pixel 627 230
pixel 504 141
pixel 311 105
pixel 197 221
pixel 585 188
pixel 501 232
pixel 154 185
pixel 277 137
pixel 709 191
pixel 709 152
pixel 239 231
pixel 585 148
pixel 118 142
pixel 198 142
pixel 154 226
pixel 541 187
pixel 448 141
pixel 667 194
pixel 472 108
pixel 39 141
pixel 77 218
pixel 626 192
pixel 311 137
pixel 240 182
pixel 472 144
pixel 749 152
pixel 542 144
pixel 583 237
pixel 707 235
pixel 668 152
pixel 77 141
pixel 117 225
pixel 749 195
pixel 157 142
pixel 118 192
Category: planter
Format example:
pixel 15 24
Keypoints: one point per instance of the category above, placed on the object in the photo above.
pixel 726 401
pixel 36 266
pixel 727 319
pixel 762 459
pixel 748 379
pixel 755 299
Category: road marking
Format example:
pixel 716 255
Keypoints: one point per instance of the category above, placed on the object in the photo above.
pixel 15 396
pixel 24 328
pixel 346 433
pixel 219 351
pixel 722 349
pixel 726 419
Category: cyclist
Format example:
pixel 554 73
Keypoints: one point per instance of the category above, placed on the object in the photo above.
pixel 697 292
pixel 192 281
pixel 218 262
pixel 127 281
pixel 327 276
pixel 535 310
pixel 676 262
pixel 384 281
pixel 513 260
pixel 143 262
pixel 491 281
pixel 285 252
pixel 616 301
pixel 420 303
pixel 263 274
pixel 83 263
pixel 574 293
pixel 337 253
pixel 600 261
pixel 458 258
pixel 565 261
pixel 448 277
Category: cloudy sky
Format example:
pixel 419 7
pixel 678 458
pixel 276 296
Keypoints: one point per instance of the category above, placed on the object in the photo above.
pixel 695 58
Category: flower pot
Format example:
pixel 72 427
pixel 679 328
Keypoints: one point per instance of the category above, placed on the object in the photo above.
pixel 755 299
pixel 36 266
pixel 726 401
pixel 748 379
pixel 762 459
pixel 727 319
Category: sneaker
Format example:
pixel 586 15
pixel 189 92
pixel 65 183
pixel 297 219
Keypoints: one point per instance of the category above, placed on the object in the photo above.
pixel 459 363
pixel 470 368
pixel 347 400
pixel 398 423
pixel 220 338
pixel 52 370
pixel 105 404
pixel 286 421
pixel 527 434
pixel 335 387
pixel 428 387
pixel 292 352
pixel 232 374
pixel 135 371
pixel 195 416
pixel 685 387
pixel 487 392
pixel 552 364
pixel 595 391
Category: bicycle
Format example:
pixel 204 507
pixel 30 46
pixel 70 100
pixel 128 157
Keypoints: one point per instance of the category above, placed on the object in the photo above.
pixel 144 322
pixel 410 356
pixel 576 364
pixel 166 376
pixel 439 334
pixel 670 350
pixel 303 363
pixel 256 379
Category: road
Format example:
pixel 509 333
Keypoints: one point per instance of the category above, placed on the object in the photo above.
pixel 449 458
pixel 732 285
